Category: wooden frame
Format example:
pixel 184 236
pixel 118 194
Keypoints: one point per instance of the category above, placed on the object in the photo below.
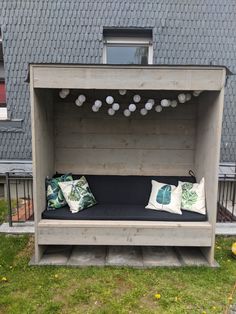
pixel 206 145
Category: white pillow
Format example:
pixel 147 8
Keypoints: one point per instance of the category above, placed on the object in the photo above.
pixel 165 197
pixel 193 196
pixel 77 194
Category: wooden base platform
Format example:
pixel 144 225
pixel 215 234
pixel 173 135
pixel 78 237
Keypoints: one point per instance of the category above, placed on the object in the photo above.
pixel 132 256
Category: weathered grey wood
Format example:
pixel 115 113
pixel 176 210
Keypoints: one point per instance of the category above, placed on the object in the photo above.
pixel 53 223
pixel 42 152
pixel 124 233
pixel 167 144
pixel 128 77
pixel 123 126
pixel 99 145
pixel 119 141
pixel 122 161
pixel 207 155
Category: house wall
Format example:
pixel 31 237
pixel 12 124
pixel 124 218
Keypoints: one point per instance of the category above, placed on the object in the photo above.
pixel 95 143
pixel 186 32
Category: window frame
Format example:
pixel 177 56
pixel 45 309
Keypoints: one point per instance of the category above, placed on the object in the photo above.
pixel 127 42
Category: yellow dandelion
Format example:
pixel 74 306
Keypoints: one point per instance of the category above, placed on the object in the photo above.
pixel 234 248
pixel 214 308
pixel 4 279
pixel 230 299
pixel 157 296
pixel 56 276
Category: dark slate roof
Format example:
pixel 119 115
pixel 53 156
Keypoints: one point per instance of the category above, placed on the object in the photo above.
pixel 71 31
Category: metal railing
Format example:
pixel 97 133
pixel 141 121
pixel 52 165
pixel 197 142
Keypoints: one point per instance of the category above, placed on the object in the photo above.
pixel 19 196
pixel 226 211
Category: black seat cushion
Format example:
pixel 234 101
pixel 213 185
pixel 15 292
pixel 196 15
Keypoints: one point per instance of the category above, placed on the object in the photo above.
pixel 124 198
pixel 121 212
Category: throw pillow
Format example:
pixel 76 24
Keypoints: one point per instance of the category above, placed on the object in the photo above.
pixel 193 196
pixel 55 197
pixel 77 194
pixel 165 197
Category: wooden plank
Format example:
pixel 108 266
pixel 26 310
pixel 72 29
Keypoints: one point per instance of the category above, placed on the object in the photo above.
pixel 120 141
pixel 208 139
pixel 123 161
pixel 174 236
pixel 54 223
pixel 168 170
pixel 128 77
pixel 42 152
pixel 124 126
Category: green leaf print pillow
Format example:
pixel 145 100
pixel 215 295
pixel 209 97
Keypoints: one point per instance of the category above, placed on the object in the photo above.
pixel 165 197
pixel 55 197
pixel 193 196
pixel 77 194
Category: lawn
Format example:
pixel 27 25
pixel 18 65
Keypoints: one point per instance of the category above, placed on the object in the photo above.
pixel 25 289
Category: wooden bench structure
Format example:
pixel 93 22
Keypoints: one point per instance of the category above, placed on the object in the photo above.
pixel 66 139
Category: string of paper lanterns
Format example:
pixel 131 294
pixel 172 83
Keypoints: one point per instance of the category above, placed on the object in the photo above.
pixel 132 107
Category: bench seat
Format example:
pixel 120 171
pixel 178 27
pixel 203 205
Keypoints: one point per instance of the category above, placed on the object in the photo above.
pixel 121 212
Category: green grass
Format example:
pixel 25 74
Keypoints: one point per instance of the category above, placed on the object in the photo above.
pixel 113 290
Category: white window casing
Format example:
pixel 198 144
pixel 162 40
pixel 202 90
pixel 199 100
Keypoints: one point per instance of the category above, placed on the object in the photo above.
pixel 128 41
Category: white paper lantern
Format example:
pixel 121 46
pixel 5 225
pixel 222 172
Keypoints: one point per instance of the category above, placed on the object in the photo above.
pixel 82 98
pixel 173 103
pixel 152 101
pixel 143 111
pixel 148 106
pixel 122 92
pixel 98 103
pixel 132 107
pixel 95 109
pixel 78 103
pixel 111 112
pixel 196 93
pixel 62 95
pixel 64 92
pixel 115 106
pixel 188 97
pixel 165 103
pixel 127 113
pixel 158 108
pixel 109 100
pixel 182 98
pixel 137 98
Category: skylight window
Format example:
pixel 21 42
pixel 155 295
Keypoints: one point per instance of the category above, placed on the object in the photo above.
pixel 128 47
